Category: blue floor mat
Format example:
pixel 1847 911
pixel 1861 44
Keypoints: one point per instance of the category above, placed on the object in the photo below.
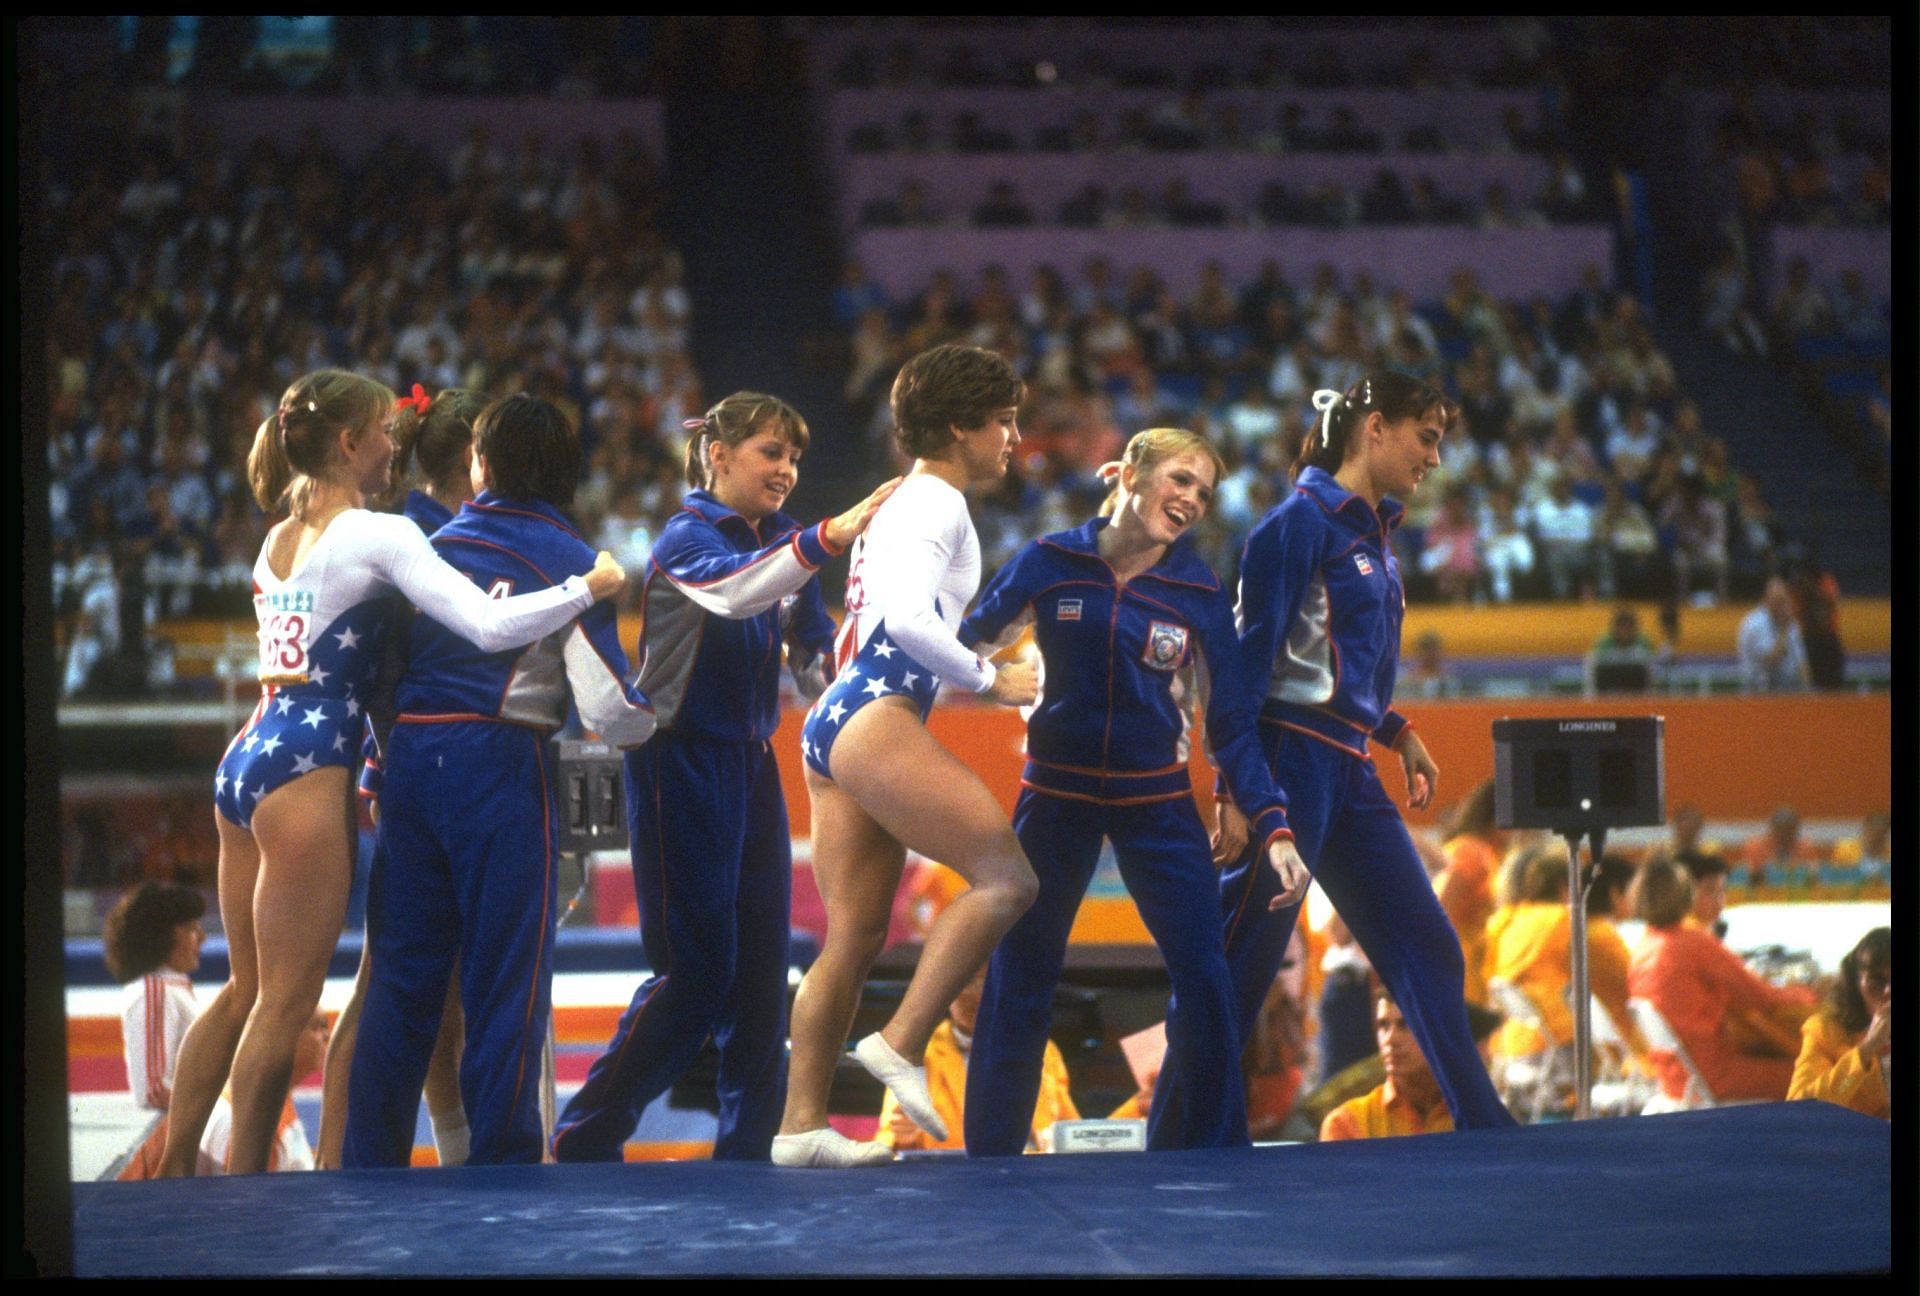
pixel 1772 1189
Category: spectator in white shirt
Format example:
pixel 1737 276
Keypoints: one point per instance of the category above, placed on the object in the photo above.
pixel 1773 658
pixel 1565 527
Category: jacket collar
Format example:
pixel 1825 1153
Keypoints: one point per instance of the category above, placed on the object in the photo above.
pixel 1180 564
pixel 424 509
pixel 531 508
pixel 703 504
pixel 1344 504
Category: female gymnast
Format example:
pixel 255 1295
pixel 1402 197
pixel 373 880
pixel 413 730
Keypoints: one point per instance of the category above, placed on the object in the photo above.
pixel 1320 611
pixel 469 840
pixel 282 794
pixel 732 577
pixel 879 782
pixel 1133 627
pixel 433 454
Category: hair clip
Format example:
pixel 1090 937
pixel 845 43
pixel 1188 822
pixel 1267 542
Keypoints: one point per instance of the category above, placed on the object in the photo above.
pixel 1324 400
pixel 419 400
pixel 694 425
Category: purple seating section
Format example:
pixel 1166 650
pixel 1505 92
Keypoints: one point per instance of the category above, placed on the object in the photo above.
pixel 1466 119
pixel 1830 250
pixel 1471 46
pixel 355 126
pixel 1510 265
pixel 956 183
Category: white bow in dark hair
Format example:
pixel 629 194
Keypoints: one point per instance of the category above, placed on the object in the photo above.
pixel 1325 400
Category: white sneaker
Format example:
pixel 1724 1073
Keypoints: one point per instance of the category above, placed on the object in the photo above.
pixel 827 1149
pixel 907 1081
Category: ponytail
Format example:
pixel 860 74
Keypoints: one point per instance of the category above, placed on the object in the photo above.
pixel 434 432
pixel 1394 396
pixel 268 471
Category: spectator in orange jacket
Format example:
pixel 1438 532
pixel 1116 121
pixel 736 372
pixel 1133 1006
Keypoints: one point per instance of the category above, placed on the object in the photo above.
pixel 1699 985
pixel 1844 1046
pixel 1407 1102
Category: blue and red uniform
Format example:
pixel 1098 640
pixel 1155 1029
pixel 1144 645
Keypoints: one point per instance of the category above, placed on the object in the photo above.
pixel 429 514
pixel 711 845
pixel 1320 611
pixel 1107 758
pixel 469 841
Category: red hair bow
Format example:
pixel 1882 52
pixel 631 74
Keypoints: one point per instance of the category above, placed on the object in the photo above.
pixel 419 400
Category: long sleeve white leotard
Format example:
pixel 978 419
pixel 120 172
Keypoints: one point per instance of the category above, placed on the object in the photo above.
pixel 915 569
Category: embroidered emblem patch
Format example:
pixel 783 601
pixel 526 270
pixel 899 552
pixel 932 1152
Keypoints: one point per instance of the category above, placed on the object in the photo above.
pixel 1166 645
pixel 1360 561
pixel 1067 610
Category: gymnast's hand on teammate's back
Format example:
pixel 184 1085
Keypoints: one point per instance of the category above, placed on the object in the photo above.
pixel 1015 683
pixel 840 531
pixel 607 578
pixel 1291 870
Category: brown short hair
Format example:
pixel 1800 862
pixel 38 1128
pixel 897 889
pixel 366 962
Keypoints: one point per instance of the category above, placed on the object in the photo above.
pixel 1662 894
pixel 950 387
pixel 1396 396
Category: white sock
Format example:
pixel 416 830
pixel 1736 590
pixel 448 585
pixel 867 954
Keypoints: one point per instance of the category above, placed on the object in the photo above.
pixel 450 1135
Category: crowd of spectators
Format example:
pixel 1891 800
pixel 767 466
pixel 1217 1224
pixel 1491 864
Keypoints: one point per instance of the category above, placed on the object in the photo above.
pixel 185 299
pixel 1388 200
pixel 1076 57
pixel 1579 468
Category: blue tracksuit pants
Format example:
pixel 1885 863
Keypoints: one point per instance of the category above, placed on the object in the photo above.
pixel 1166 863
pixel 1352 837
pixel 713 872
pixel 467 867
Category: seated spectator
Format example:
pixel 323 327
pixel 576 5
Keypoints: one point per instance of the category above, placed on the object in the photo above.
pixel 1276 1047
pixel 1621 660
pixel 1800 309
pixel 946 1067
pixel 1728 307
pixel 1780 857
pixel 1845 1046
pixel 1697 523
pixel 1816 609
pixel 1708 874
pixel 1773 655
pixel 1408 1101
pixel 290 1150
pixel 152 945
pixel 1864 863
pixel 1632 446
pixel 1568 547
pixel 1630 560
pixel 1428 674
pixel 1345 1008
pixel 1532 950
pixel 1506 550
pixel 1699 986
pixel 1451 552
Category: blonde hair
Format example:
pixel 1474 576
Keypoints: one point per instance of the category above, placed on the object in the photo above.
pixel 1156 445
pixel 294 445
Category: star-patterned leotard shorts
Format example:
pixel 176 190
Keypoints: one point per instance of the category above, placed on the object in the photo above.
pixel 289 734
pixel 880 669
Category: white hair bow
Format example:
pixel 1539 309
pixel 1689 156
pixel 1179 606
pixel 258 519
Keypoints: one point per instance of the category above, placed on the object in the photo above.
pixel 1324 400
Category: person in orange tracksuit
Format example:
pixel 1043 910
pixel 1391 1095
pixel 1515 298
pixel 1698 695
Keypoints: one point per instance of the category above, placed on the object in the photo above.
pixel 1465 886
pixel 1698 985
pixel 1407 1102
pixel 947 1081
pixel 1844 1045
